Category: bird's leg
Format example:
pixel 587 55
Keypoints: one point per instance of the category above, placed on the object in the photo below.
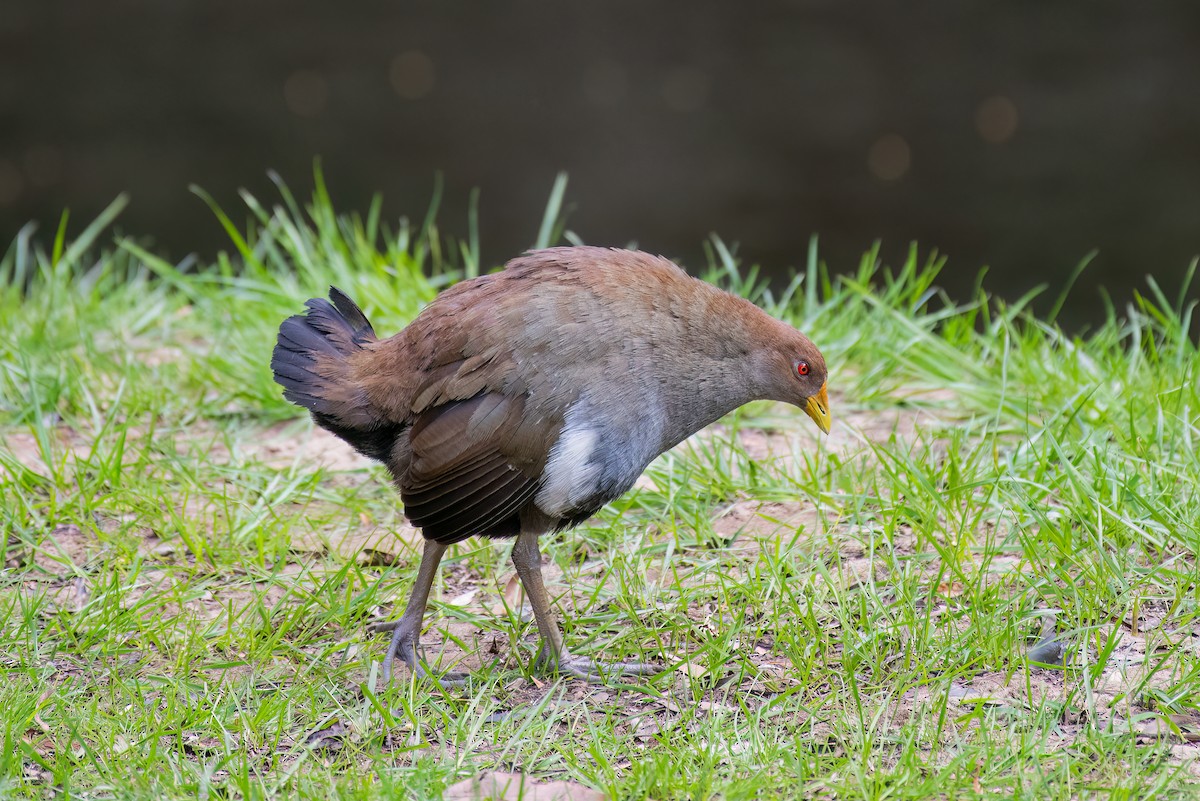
pixel 527 559
pixel 407 630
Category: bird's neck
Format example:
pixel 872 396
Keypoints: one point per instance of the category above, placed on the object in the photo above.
pixel 713 390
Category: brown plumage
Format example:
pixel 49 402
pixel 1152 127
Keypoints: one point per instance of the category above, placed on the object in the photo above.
pixel 523 401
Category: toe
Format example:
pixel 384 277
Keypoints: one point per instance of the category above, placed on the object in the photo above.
pixel 382 626
pixel 451 681
pixel 600 672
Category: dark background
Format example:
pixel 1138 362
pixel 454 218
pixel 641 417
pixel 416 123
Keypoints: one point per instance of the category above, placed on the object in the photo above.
pixel 1019 135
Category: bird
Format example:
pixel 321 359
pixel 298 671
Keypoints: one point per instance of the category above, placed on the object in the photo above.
pixel 520 402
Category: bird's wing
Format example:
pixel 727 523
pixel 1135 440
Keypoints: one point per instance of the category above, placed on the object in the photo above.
pixel 474 464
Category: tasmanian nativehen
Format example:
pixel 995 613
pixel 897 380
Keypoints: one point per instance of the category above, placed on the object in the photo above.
pixel 520 402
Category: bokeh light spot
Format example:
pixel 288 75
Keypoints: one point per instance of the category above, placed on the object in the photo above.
pixel 889 157
pixel 412 75
pixel 996 119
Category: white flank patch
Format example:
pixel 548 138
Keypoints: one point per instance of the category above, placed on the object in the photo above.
pixel 569 477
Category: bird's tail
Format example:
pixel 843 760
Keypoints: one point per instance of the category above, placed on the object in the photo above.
pixel 312 362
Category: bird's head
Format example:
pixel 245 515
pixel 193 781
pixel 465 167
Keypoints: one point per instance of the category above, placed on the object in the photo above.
pixel 797 375
pixel 814 390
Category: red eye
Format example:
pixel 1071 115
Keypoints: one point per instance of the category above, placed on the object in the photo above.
pixel 802 368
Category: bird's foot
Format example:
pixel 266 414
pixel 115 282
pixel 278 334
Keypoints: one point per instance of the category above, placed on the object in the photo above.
pixel 382 625
pixel 404 647
pixel 594 671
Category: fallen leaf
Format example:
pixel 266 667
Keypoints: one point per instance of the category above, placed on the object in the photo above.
pixel 1073 716
pixel 165 549
pixel 950 589
pixel 500 786
pixel 329 738
pixel 514 592
pixel 645 727
pixel 464 599
pixel 1153 728
pixel 512 596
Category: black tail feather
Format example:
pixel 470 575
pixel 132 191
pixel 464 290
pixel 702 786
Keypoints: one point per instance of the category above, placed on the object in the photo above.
pixel 311 362
pixel 352 315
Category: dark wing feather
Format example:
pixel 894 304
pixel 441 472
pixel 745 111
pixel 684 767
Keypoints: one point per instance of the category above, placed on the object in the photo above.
pixel 468 475
pixel 492 511
pixel 439 496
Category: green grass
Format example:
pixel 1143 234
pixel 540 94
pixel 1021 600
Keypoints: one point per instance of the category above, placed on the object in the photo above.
pixel 185 586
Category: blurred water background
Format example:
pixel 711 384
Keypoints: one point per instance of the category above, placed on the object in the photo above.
pixel 1019 135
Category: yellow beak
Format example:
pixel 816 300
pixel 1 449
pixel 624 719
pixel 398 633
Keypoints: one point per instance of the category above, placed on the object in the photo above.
pixel 817 407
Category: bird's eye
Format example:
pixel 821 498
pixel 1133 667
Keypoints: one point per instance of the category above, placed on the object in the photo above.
pixel 801 368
